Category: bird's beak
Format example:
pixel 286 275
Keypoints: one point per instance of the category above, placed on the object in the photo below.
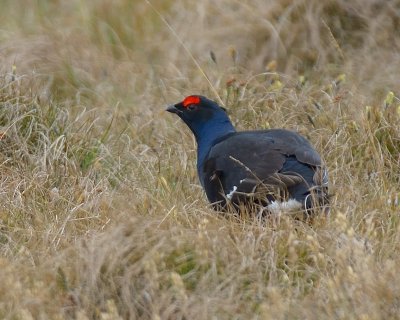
pixel 172 109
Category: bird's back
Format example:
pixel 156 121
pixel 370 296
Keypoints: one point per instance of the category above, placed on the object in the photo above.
pixel 246 163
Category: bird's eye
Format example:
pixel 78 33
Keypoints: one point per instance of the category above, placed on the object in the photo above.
pixel 192 107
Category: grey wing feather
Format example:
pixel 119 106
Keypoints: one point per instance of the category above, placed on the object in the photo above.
pixel 249 163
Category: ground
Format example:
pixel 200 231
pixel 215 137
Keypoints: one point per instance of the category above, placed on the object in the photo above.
pixel 102 215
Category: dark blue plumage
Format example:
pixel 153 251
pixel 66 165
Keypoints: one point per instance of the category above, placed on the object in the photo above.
pixel 274 168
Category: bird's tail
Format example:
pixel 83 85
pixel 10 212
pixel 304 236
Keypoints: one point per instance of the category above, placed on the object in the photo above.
pixel 317 200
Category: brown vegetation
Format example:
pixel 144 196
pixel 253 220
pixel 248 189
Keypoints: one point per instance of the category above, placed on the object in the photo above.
pixel 102 216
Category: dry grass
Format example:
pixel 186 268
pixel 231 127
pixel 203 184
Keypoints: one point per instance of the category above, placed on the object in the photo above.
pixel 102 216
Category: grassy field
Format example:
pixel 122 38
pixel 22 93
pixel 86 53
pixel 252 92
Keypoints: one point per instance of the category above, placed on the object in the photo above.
pixel 102 215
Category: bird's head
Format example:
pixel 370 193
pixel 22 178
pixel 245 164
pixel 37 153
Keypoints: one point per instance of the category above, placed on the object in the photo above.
pixel 201 114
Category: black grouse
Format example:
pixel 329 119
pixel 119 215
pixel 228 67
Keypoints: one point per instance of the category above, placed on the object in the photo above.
pixel 277 168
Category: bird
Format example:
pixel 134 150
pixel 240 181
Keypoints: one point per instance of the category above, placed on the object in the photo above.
pixel 275 169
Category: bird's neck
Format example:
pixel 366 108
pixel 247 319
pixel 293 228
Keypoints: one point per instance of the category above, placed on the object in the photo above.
pixel 208 134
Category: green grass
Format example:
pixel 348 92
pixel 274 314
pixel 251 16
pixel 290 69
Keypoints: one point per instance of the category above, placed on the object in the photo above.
pixel 101 212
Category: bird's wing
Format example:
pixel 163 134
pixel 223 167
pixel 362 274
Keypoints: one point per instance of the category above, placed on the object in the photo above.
pixel 253 162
